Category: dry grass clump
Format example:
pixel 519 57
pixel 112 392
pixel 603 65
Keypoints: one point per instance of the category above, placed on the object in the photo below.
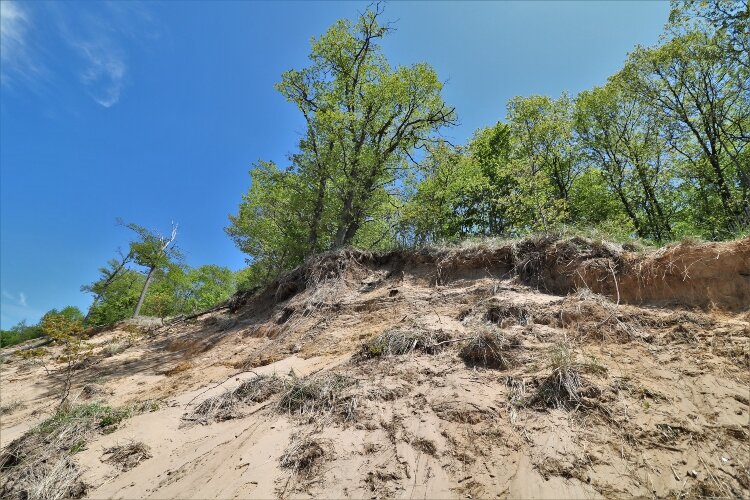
pixel 39 465
pixel 114 348
pixel 127 456
pixel 397 342
pixel 226 406
pixel 508 314
pixel 10 407
pixel 564 386
pixel 259 389
pixel 319 395
pixel 490 348
pixel 594 316
pixel 560 388
pixel 303 456
pixel 90 391
pixel 216 409
pixel 425 446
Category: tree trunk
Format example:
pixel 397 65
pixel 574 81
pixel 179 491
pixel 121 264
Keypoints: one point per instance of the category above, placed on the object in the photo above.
pixel 312 242
pixel 345 220
pixel 143 292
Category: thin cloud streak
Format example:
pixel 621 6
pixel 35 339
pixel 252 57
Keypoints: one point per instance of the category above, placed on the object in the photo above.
pixel 105 74
pixel 16 61
pixel 15 308
pixel 99 34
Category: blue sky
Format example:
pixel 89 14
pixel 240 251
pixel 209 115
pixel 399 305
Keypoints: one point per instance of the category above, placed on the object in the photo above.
pixel 154 112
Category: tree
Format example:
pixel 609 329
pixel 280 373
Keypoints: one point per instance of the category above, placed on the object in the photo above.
pixel 273 221
pixel 154 252
pixel 364 118
pixel 66 328
pixel 20 332
pixel 704 99
pixel 114 269
pixel 207 286
pixel 443 204
pixel 622 138
pixel 730 19
pixel 117 302
pixel 364 121
pixel 544 159
pixel 463 191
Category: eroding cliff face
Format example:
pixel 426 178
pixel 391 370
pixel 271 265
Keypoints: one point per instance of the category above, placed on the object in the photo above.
pixel 541 368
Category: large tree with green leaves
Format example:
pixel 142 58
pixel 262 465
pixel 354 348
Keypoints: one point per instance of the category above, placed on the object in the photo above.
pixel 364 121
pixel 544 158
pixel 621 137
pixel 703 98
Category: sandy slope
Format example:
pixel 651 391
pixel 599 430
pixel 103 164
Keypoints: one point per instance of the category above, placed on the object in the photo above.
pixel 663 408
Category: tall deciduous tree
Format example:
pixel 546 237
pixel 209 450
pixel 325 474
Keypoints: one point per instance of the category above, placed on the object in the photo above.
pixel 704 99
pixel 621 137
pixel 364 121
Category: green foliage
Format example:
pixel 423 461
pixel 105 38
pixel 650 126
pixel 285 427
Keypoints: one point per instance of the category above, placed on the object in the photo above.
pixel 66 328
pixel 207 286
pixel 151 279
pixel 90 416
pixel 117 301
pixel 152 250
pixel 364 119
pixel 19 333
pixel 658 153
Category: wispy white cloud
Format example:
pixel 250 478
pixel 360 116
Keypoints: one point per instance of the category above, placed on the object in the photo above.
pixel 100 36
pixel 15 307
pixel 19 299
pixel 16 54
pixel 104 75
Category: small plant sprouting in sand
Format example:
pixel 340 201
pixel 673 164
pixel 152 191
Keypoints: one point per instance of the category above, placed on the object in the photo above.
pixel 125 457
pixel 491 348
pixel 35 353
pixel 400 341
pixel 69 333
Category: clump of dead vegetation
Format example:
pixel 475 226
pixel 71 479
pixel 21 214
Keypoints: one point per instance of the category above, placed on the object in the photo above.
pixel 319 395
pixel 39 464
pixel 181 367
pixel 125 457
pixel 304 456
pixel 227 405
pixel 491 348
pixel 507 314
pixel 215 409
pixel 11 406
pixel 404 341
pixel 560 388
pixel 565 387
pixel 593 316
pixel 259 389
